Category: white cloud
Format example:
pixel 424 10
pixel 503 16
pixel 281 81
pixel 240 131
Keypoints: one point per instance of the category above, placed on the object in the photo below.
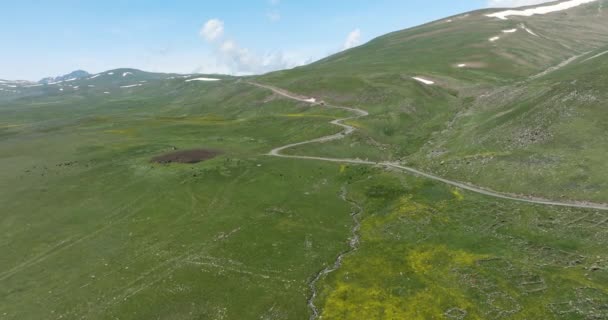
pixel 243 61
pixel 273 15
pixel 231 58
pixel 353 39
pixel 213 29
pixel 228 46
pixel 514 3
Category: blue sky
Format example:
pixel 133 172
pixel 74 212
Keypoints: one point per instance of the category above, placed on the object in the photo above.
pixel 47 38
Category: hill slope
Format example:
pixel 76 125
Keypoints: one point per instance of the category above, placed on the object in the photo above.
pixel 95 226
pixel 545 136
pixel 476 62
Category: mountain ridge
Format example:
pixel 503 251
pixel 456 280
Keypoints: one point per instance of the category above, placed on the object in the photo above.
pixel 74 75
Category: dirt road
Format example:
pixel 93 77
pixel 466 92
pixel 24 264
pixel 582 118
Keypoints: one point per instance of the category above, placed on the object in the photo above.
pixel 350 129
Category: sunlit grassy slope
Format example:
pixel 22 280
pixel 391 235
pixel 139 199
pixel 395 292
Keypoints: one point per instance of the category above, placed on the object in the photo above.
pixel 427 126
pixel 545 137
pixel 90 228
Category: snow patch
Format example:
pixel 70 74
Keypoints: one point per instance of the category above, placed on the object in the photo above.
pixel 509 31
pixel 539 10
pixel 126 74
pixel 531 32
pixel 132 85
pixel 462 65
pixel 95 76
pixel 425 81
pixel 311 100
pixel 202 79
pixel 106 92
pixel 110 73
pixel 493 39
pixel 523 26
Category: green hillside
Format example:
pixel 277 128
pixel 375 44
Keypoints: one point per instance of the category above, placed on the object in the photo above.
pixel 94 226
pixel 436 49
pixel 543 137
pixel 437 127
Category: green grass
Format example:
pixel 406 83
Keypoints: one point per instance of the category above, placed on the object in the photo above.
pixel 488 123
pixel 143 241
pixel 92 229
pixel 548 133
pixel 428 251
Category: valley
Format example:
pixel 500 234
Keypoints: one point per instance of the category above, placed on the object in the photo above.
pixel 454 170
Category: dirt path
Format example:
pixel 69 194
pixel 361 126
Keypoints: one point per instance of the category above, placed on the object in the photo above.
pixel 559 66
pixel 277 152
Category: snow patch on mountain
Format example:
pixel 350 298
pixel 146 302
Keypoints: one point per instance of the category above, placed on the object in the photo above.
pixel 203 79
pixel 539 10
pixel 422 80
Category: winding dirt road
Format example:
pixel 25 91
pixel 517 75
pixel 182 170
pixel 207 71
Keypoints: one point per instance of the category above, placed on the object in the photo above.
pixel 277 152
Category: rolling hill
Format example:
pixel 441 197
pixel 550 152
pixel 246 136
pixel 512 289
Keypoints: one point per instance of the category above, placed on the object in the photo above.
pixel 439 127
pixel 135 195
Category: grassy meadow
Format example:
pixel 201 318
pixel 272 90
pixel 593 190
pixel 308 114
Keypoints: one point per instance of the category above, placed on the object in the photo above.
pixel 92 228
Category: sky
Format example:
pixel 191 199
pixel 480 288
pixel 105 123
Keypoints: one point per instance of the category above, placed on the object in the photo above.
pixel 50 38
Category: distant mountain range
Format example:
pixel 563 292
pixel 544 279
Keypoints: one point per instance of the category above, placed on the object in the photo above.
pixel 78 74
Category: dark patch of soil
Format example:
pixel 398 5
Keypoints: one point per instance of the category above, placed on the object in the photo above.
pixel 187 156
